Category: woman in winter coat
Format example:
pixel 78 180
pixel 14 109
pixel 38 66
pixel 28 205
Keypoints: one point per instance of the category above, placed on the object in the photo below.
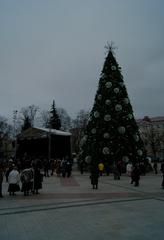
pixel 94 178
pixel 135 176
pixel 1 179
pixel 13 180
pixel 27 180
pixel 38 178
pixel 162 170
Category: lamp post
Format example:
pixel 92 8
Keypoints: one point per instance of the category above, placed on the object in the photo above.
pixel 49 145
pixel 15 130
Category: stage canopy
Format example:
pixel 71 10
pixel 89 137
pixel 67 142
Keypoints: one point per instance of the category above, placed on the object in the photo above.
pixel 44 142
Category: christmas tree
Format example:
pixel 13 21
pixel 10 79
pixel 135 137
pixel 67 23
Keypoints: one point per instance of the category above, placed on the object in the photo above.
pixel 54 121
pixel 112 134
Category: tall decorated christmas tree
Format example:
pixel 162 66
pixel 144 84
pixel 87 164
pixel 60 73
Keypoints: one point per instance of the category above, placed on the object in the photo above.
pixel 112 134
pixel 54 121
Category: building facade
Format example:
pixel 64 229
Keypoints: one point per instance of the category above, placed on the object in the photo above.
pixel 152 133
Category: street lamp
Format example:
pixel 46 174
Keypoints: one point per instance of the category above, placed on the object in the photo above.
pixel 15 129
pixel 49 144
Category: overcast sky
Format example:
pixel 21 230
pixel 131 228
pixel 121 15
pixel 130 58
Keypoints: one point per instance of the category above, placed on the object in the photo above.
pixel 54 49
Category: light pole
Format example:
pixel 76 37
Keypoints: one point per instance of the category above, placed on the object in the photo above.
pixel 49 145
pixel 15 130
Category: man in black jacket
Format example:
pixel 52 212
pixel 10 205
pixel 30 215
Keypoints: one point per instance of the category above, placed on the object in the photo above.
pixel 162 170
pixel 1 179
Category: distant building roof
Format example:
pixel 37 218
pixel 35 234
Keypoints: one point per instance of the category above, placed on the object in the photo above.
pixel 157 119
pixel 149 120
pixel 36 133
pixel 55 131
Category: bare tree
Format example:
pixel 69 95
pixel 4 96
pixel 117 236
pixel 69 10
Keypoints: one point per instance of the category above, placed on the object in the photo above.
pixel 5 128
pixel 30 112
pixel 65 119
pixel 6 131
pixel 78 129
pixel 152 139
pixel 28 115
pixel 44 118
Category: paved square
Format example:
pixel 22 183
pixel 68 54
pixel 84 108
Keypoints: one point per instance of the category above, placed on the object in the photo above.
pixel 71 209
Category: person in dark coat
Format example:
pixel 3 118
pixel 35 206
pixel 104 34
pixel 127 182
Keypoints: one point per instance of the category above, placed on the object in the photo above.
pixel 94 178
pixel 58 167
pixel 46 167
pixel 107 169
pixel 27 179
pixel 119 167
pixel 52 166
pixel 63 168
pixel 116 172
pixel 68 167
pixel 9 169
pixel 38 178
pixel 136 175
pixel 162 170
pixel 82 167
pixel 1 179
pixel 155 166
pixel 142 168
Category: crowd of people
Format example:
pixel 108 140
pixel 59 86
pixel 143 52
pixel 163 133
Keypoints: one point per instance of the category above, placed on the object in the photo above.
pixel 134 171
pixel 26 178
pixel 27 175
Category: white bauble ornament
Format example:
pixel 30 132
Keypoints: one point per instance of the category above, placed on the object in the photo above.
pixel 130 116
pixel 125 158
pixel 93 130
pixel 105 150
pixel 118 107
pixel 121 84
pixel 126 100
pixel 108 84
pixel 121 129
pixel 136 138
pixel 139 152
pixel 108 102
pixel 99 97
pixel 103 75
pixel 107 117
pixel 116 90
pixel 113 68
pixel 96 114
pixel 88 159
pixel 106 135
pixel 84 139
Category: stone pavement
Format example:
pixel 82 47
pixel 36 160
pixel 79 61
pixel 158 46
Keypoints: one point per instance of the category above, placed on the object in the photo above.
pixel 70 209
